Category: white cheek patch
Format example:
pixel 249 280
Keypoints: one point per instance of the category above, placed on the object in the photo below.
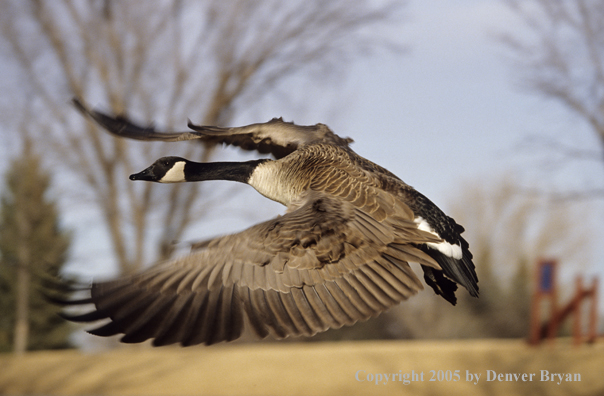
pixel 444 247
pixel 176 174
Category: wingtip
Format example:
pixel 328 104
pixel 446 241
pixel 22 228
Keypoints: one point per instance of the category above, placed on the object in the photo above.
pixel 65 301
pixel 83 318
pixel 79 105
pixel 195 127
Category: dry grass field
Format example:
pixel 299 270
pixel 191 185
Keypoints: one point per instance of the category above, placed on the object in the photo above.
pixel 345 368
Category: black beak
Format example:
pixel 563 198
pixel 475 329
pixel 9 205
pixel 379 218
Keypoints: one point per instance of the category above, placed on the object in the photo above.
pixel 146 175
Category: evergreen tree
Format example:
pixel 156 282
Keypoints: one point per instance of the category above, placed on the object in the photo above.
pixel 33 249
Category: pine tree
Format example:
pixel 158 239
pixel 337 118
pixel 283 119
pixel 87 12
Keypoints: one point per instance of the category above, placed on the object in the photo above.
pixel 33 249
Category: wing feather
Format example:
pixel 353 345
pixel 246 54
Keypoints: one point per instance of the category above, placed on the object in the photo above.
pixel 294 313
pixel 278 309
pixel 383 280
pixel 107 330
pixel 332 305
pixel 367 291
pixel 348 299
pixel 173 319
pixel 133 310
pixel 138 330
pixel 122 127
pixel 179 331
pixel 270 319
pixel 320 309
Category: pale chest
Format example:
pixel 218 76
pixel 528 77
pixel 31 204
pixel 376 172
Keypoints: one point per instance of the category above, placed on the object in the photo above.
pixel 270 180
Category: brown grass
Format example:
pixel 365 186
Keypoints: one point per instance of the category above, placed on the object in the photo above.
pixel 305 369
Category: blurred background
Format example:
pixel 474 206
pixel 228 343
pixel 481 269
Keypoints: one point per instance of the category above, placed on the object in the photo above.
pixel 493 109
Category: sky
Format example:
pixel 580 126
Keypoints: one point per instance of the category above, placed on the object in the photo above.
pixel 447 112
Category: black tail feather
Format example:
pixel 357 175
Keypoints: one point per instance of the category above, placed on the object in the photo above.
pixel 460 271
pixel 441 285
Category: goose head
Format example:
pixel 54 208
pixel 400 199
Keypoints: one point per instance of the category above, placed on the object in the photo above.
pixel 164 170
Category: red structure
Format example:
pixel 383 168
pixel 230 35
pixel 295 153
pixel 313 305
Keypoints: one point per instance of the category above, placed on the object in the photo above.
pixel 546 291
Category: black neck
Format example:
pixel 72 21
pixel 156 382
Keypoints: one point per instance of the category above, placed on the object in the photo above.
pixel 233 171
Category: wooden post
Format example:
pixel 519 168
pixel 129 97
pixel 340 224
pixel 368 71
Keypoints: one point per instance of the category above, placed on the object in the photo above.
pixel 553 299
pixel 535 321
pixel 577 303
pixel 546 289
pixel 593 313
pixel 545 286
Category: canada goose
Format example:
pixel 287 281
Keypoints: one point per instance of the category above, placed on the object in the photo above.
pixel 339 255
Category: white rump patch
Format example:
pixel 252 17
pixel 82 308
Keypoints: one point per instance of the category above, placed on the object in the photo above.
pixel 444 247
pixel 176 174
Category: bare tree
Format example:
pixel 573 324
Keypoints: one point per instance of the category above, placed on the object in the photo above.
pixel 559 51
pixel 165 62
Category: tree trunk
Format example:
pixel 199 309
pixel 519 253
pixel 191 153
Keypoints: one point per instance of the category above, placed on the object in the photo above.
pixel 23 279
pixel 21 334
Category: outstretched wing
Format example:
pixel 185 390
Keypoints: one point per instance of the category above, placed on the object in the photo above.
pixel 326 264
pixel 276 136
pixel 122 127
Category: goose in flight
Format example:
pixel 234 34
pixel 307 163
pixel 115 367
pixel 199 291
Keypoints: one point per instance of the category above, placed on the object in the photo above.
pixel 338 255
